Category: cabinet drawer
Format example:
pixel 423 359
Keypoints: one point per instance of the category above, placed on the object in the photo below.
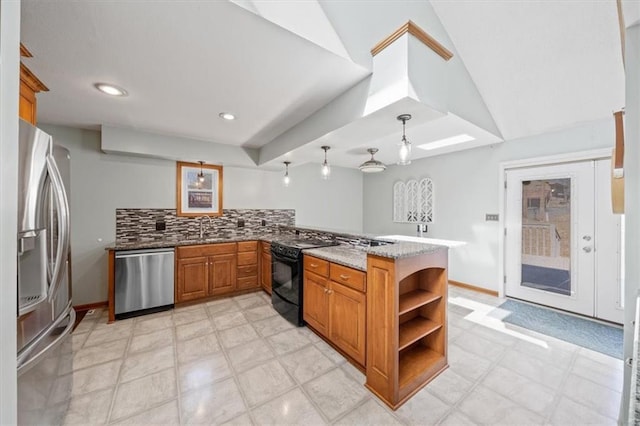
pixel 315 265
pixel 348 276
pixel 248 282
pixel 247 246
pixel 247 258
pixel 206 250
pixel 247 271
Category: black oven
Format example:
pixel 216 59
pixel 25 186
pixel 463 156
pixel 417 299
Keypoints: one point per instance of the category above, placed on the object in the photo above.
pixel 287 276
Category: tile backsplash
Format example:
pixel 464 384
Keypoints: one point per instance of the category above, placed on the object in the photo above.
pixel 140 224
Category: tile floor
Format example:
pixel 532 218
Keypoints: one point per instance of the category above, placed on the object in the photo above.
pixel 235 361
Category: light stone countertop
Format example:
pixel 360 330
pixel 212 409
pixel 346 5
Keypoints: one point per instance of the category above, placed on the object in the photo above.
pixel 175 242
pixel 404 249
pixel 345 255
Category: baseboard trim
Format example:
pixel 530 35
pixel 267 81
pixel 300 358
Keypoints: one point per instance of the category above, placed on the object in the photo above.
pixel 89 306
pixel 474 288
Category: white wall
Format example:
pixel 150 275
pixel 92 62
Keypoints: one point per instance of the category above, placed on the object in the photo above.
pixel 466 187
pixel 100 183
pixel 9 78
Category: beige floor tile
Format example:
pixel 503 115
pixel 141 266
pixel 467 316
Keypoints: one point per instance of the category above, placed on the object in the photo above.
pixel 87 357
pixel 191 350
pixel 166 414
pixel 471 342
pixel 597 372
pixel 85 326
pixel 306 364
pixel 203 372
pixel 292 408
pixel 456 418
pixel 466 364
pixel 151 341
pixel 236 336
pixel 142 394
pixel 329 352
pixel 288 341
pixel 533 368
pixel 599 398
pixel 369 413
pixel 335 393
pixel 241 420
pixel 250 354
pixel 145 363
pixel 488 407
pixel 607 360
pixel 194 329
pixel 81 382
pixel 109 334
pixel 422 408
pixel 229 320
pixel 148 325
pixel 264 382
pixel 222 307
pixel 213 404
pixel 181 317
pixel 449 386
pixel 569 412
pixel 253 301
pixel 523 391
pixel 260 313
pixel 272 325
pixel 88 409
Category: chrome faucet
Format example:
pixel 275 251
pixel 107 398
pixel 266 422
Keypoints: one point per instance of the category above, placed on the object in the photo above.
pixel 202 218
pixel 422 228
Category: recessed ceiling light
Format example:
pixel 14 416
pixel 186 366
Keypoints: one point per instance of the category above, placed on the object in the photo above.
pixel 447 142
pixel 110 89
pixel 227 116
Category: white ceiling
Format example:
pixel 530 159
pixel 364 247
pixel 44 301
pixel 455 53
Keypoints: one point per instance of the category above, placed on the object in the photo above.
pixel 538 65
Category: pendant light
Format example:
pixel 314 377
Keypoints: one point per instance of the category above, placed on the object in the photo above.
pixel 373 165
pixel 201 174
pixel 405 146
pixel 326 169
pixel 286 180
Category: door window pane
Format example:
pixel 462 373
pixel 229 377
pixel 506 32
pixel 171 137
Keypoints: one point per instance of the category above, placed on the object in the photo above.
pixel 546 235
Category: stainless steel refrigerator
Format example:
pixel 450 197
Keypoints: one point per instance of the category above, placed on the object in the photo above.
pixel 45 314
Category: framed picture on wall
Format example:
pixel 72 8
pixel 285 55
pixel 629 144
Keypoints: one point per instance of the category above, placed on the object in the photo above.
pixel 199 189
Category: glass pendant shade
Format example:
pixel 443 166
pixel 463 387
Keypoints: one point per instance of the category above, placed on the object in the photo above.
pixel 404 153
pixel 286 180
pixel 326 169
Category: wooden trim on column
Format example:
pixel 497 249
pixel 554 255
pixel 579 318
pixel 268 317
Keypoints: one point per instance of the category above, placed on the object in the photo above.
pixel 473 288
pixel 411 28
pixel 24 52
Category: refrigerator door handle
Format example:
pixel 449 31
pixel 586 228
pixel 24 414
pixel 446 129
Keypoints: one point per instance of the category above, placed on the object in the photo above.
pixel 63 227
pixel 25 362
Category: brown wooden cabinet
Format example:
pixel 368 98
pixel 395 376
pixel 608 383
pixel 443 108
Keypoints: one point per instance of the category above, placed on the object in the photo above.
pixel 406 323
pixel 265 266
pixel 247 271
pixel 29 86
pixel 332 306
pixel 205 270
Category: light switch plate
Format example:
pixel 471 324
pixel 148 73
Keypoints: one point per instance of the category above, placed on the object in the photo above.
pixel 492 217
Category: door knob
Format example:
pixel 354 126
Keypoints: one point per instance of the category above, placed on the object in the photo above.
pixel 586 249
pixel 587 238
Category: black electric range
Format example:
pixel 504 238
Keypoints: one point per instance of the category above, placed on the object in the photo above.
pixel 287 275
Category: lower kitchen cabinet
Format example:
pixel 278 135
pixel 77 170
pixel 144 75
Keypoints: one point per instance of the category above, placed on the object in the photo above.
pixel 193 278
pixel 205 270
pixel 265 266
pixel 334 309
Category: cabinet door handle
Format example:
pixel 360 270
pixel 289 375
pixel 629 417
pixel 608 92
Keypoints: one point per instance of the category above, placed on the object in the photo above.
pixel 313 265
pixel 326 290
pixel 344 277
pixel 330 291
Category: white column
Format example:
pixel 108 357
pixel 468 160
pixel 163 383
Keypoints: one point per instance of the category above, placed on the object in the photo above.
pixel 632 203
pixel 9 92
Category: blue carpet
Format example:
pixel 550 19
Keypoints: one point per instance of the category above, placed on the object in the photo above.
pixel 592 335
pixel 548 279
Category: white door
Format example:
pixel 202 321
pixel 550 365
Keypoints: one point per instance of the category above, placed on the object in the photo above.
pixel 562 240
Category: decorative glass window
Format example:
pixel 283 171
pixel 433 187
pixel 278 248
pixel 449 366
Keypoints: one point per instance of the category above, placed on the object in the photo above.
pixel 413 201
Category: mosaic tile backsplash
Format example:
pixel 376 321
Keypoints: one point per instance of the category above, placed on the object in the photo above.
pixel 140 224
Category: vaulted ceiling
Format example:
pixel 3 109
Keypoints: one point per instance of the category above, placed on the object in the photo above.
pixel 281 67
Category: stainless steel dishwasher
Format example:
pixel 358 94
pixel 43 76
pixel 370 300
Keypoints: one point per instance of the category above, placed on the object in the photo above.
pixel 144 281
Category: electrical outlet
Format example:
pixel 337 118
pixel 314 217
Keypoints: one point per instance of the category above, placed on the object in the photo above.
pixel 161 225
pixel 264 222
pixel 492 217
pixel 240 223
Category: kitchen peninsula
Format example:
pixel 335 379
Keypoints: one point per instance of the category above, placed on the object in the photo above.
pixel 382 304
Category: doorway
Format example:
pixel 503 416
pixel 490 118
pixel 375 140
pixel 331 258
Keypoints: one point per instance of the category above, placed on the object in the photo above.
pixel 563 244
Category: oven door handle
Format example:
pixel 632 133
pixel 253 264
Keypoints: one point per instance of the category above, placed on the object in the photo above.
pixel 289 261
